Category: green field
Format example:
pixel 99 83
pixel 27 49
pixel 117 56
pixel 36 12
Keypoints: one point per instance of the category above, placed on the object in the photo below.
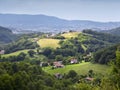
pixel 81 68
pixel 15 53
pixel 53 43
pixel 70 35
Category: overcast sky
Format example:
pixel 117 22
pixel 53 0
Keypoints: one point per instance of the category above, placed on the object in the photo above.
pixel 96 10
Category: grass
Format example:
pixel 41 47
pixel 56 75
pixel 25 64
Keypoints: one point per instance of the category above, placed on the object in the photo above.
pixel 82 37
pixel 15 53
pixel 81 68
pixel 83 46
pixel 53 43
pixel 70 35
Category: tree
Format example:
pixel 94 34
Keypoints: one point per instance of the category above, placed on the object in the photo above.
pixel 71 74
pixel 31 53
pixel 21 56
pixel 59 58
pixel 47 51
pixel 49 81
pixel 90 73
pixel 112 82
pixel 116 70
pixel 82 86
pixel 6 82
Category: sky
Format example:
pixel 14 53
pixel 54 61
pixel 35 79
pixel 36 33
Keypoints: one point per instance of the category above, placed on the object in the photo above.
pixel 95 10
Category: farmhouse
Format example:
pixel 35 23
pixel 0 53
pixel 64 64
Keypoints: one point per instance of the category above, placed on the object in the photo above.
pixel 58 64
pixel 73 61
pixel 2 51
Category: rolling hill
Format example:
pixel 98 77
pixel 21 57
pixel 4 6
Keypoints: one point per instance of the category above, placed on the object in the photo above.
pixel 106 55
pixel 53 43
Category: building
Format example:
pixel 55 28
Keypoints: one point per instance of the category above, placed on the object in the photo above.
pixel 2 51
pixel 58 64
pixel 73 61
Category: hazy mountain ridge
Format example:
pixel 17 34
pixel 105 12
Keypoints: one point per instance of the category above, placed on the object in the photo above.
pixel 115 31
pixel 45 23
pixel 6 35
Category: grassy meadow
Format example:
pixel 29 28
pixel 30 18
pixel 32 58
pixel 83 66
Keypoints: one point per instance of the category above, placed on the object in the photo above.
pixel 53 43
pixel 70 35
pixel 81 68
pixel 15 53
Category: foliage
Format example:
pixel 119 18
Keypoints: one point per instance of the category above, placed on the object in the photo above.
pixel 31 53
pixel 59 37
pixel 103 36
pixel 16 53
pixel 70 35
pixel 105 55
pixel 21 44
pixel 71 74
pixel 22 76
pixel 112 81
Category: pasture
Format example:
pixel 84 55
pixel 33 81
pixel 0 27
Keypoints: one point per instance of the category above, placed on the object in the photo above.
pixel 15 53
pixel 53 43
pixel 81 68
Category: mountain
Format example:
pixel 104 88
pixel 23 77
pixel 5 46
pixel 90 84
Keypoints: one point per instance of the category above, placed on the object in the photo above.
pixel 6 35
pixel 43 23
pixel 115 31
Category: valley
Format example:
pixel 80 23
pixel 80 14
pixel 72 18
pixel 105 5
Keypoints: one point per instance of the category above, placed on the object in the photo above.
pixel 75 58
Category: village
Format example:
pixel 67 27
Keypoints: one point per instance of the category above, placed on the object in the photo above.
pixel 73 61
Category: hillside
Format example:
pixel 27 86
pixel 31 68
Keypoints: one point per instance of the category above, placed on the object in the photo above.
pixel 79 68
pixel 65 44
pixel 30 65
pixel 106 55
pixel 115 31
pixel 106 37
pixel 6 35
pixel 43 23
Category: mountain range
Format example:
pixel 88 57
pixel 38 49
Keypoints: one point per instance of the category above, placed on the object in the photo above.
pixel 43 23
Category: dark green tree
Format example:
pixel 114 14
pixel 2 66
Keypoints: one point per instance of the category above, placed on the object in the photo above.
pixel 31 53
pixel 72 74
